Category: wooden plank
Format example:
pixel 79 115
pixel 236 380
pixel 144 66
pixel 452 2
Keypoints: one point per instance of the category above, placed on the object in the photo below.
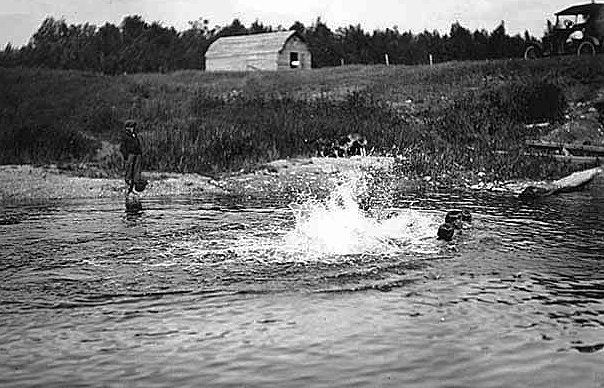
pixel 543 145
pixel 568 146
pixel 578 159
pixel 575 160
pixel 572 182
pixel 576 180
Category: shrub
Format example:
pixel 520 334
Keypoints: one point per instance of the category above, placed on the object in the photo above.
pixel 528 102
pixel 484 130
pixel 44 144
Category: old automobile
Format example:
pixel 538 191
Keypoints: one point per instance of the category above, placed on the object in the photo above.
pixel 577 30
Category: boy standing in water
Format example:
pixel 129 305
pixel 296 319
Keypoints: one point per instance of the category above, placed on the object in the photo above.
pixel 132 151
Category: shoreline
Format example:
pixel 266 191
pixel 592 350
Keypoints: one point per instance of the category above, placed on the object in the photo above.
pixel 27 183
pixel 279 178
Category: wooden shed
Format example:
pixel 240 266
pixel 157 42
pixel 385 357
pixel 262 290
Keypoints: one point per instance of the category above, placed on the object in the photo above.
pixel 267 51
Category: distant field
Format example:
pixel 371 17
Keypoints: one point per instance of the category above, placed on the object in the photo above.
pixel 452 116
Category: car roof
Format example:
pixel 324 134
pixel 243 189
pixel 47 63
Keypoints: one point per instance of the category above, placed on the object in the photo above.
pixel 582 9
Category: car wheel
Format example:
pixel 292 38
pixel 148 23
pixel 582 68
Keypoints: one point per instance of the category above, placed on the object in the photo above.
pixel 532 52
pixel 586 48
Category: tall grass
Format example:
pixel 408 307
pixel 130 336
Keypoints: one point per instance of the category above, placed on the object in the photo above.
pixel 226 134
pixel 461 116
pixel 477 130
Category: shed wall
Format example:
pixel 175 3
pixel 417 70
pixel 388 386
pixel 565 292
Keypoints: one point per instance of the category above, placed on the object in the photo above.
pixel 294 44
pixel 243 62
pixel 598 24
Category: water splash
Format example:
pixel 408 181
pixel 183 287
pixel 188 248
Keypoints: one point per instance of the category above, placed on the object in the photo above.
pixel 338 226
pixel 324 230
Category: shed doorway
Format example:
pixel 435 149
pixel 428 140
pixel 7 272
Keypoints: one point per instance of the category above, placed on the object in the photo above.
pixel 294 60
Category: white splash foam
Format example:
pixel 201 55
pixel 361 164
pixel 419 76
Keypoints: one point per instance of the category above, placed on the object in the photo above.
pixel 337 226
pixel 327 230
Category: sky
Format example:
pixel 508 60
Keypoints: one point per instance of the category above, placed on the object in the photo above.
pixel 19 19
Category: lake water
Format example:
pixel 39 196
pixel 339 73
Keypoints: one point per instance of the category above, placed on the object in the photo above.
pixel 290 292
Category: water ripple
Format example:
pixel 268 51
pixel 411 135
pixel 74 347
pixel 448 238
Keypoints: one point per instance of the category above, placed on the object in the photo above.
pixel 207 290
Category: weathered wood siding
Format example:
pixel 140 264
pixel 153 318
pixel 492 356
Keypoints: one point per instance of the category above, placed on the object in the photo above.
pixel 598 25
pixel 243 62
pixel 296 45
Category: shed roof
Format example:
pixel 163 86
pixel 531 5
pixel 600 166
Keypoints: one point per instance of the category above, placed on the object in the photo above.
pixel 582 9
pixel 256 43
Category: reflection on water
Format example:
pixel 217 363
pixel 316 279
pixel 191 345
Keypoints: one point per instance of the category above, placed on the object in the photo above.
pixel 232 291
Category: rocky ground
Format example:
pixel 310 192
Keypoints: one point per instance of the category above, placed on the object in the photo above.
pixel 25 183
pixel 280 179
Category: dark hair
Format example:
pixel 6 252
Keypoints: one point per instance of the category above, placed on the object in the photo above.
pixel 130 124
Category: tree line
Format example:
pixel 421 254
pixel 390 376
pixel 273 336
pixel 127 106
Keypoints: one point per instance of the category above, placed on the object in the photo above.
pixel 139 46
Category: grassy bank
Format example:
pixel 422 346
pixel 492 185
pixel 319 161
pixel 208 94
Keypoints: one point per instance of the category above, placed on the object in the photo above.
pixel 443 120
